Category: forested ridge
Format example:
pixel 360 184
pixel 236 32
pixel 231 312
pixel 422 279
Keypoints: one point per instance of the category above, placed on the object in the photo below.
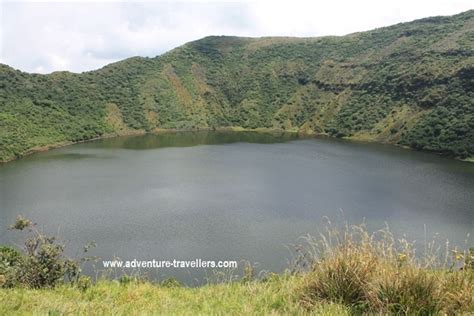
pixel 410 84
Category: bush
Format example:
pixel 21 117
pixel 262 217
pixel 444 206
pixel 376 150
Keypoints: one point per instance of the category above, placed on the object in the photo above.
pixel 83 282
pixel 10 260
pixel 170 283
pixel 343 277
pixel 43 263
pixel 408 291
pixel 374 273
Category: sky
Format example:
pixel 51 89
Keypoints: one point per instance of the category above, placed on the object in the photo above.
pixel 42 37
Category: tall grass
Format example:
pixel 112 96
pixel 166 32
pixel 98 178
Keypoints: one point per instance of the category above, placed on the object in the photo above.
pixel 344 270
pixel 377 273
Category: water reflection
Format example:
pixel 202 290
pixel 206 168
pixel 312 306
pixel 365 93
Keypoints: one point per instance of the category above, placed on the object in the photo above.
pixel 225 196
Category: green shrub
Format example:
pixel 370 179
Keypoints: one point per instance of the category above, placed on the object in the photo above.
pixel 43 263
pixel 83 282
pixel 10 260
pixel 170 282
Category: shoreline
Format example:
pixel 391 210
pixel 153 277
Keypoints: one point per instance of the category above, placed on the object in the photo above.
pixel 157 131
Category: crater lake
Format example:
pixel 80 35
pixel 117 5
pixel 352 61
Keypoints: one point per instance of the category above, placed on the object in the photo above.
pixel 230 196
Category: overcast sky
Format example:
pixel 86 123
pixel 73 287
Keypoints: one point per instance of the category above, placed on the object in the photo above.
pixel 84 35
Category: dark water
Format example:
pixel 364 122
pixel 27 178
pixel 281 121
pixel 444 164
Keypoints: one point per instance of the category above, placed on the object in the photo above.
pixel 230 196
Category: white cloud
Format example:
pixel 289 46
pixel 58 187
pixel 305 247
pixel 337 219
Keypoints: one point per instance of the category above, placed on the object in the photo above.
pixel 339 17
pixel 81 35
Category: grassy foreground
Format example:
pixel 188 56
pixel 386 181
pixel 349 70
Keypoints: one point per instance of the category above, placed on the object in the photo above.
pixel 344 271
pixel 404 293
pixel 276 296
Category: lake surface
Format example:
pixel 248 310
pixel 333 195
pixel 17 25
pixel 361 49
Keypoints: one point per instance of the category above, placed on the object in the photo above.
pixel 230 196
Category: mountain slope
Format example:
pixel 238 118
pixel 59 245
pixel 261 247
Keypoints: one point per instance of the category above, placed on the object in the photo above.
pixel 409 84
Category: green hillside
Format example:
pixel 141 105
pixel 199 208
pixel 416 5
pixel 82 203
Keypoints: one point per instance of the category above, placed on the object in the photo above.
pixel 409 84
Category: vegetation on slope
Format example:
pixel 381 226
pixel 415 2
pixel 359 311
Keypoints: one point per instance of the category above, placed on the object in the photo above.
pixel 345 271
pixel 408 84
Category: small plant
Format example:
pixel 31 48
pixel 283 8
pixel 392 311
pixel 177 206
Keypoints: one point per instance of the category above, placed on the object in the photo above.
pixel 128 279
pixel 170 282
pixel 83 282
pixel 125 279
pixel 21 223
pixel 249 272
pixel 10 259
pixel 469 259
pixel 43 263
